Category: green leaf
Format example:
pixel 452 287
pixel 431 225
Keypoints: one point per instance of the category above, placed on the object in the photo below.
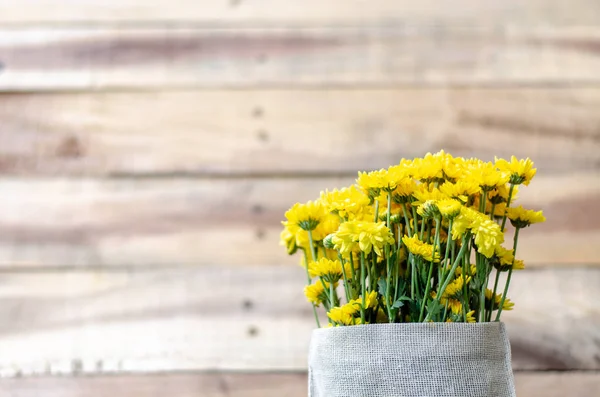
pixel 433 308
pixel 382 286
pixel 400 302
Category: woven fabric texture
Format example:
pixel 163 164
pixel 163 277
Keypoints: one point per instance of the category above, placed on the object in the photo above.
pixel 411 360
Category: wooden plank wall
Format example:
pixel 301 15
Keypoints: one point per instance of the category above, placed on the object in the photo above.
pixel 148 151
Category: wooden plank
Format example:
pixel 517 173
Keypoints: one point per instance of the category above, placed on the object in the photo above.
pixel 253 319
pixel 380 55
pixel 167 222
pixel 463 11
pixel 316 131
pixel 528 384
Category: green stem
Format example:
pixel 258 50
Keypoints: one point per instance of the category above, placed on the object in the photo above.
pixel 480 268
pixel 355 280
pixel 493 210
pixel 415 226
pixel 309 283
pixel 510 194
pixel 387 258
pixel 412 259
pixel 332 293
pixel 483 202
pixel 346 284
pixel 428 285
pixel 376 210
pixel 516 239
pixel 462 252
pixel 428 232
pixel 363 286
pixel 445 311
pixel 489 317
pixel 406 219
pixel 312 246
pixel 448 260
pixel 466 272
pixel 371 272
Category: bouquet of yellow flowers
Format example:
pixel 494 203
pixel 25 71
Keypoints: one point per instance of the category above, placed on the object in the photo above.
pixel 421 241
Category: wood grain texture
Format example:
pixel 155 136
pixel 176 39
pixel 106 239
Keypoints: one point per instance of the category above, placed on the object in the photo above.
pixel 528 384
pixel 308 131
pixel 178 221
pixel 228 318
pixel 582 12
pixel 381 55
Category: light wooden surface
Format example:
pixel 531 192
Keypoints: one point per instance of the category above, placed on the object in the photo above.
pixel 494 12
pixel 528 384
pixel 235 318
pixel 149 149
pixel 50 223
pixel 381 55
pixel 328 131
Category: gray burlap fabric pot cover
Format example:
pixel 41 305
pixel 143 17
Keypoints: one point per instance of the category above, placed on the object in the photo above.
pixel 415 359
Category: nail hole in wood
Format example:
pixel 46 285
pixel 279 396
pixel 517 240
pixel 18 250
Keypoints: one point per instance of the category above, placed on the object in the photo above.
pixel 263 136
pixel 252 331
pixel 76 366
pixel 257 112
pixel 257 209
pixel 261 58
pixel 248 304
pixel 260 234
pixel 69 147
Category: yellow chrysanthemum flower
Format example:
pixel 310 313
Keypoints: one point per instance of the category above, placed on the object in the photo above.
pixel 306 216
pixel 370 300
pixel 508 305
pixel 503 258
pixel 329 270
pixel 355 236
pixel 375 181
pixel 348 202
pixel 449 208
pixel 488 234
pixel 429 169
pixel 288 239
pixel 487 176
pixel 424 193
pixel 311 217
pixel 315 293
pixel 454 305
pixel 346 314
pixel 518 171
pixel 455 288
pixel 519 264
pixel 499 195
pixel 404 190
pixel 520 217
pixel 420 248
pixel 461 189
pixel 471 317
pixel 459 270
pixel 428 209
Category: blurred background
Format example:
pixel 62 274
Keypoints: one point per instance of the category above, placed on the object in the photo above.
pixel 148 151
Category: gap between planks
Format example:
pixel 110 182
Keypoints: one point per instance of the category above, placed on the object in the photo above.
pixel 253 318
pixel 139 223
pixel 379 55
pixel 528 384
pixel 265 133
